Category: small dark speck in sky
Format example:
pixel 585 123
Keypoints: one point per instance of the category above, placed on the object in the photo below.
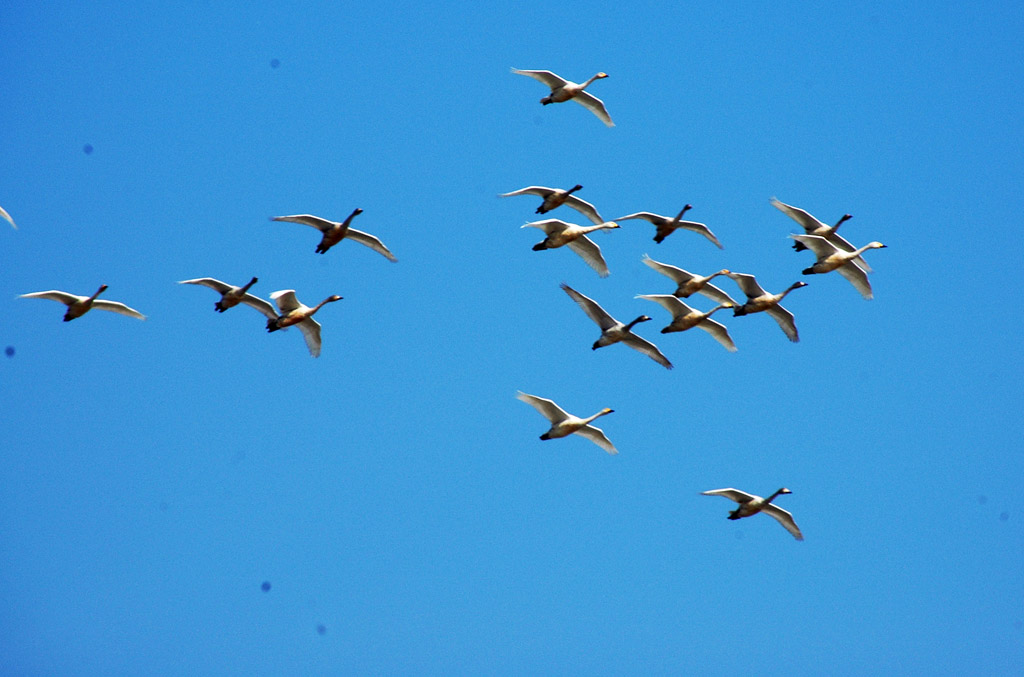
pixel 274 63
pixel 1003 516
pixel 265 587
pixel 9 351
pixel 87 149
pixel 321 629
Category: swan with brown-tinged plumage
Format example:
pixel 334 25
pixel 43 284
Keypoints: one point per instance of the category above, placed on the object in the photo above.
pixel 684 317
pixel 832 258
pixel 563 90
pixel 294 313
pixel 80 305
pixel 688 284
pixel 334 232
pixel 665 225
pixel 231 296
pixel 758 300
pixel 815 227
pixel 556 197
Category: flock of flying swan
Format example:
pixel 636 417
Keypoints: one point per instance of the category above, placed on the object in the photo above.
pixel 832 252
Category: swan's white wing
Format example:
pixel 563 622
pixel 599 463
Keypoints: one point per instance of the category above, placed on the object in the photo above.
pixel 784 518
pixel 646 216
pixel 669 303
pixel 597 436
pixel 747 284
pixel 719 332
pixel 547 77
pixel 808 222
pixel 585 208
pixel 115 307
pixel 7 217
pixel 731 494
pixel 307 220
pixel 260 305
pixel 594 105
pixel 786 321
pixel 716 294
pixel 647 348
pixel 549 226
pixel 547 408
pixel 286 300
pixel 678 275
pixel 590 307
pixel 216 285
pixel 591 253
pixel 530 190
pixel 817 244
pixel 370 241
pixel 857 277
pixel 55 295
pixel 310 329
pixel 702 229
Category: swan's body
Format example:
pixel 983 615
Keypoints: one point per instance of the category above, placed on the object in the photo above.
pixel 667 225
pixel 563 90
pixel 560 233
pixel 758 300
pixel 688 284
pixel 7 217
pixel 564 424
pixel 751 505
pixel 684 317
pixel 815 227
pixel 80 305
pixel 231 296
pixel 613 331
pixel 294 313
pixel 831 258
pixel 334 232
pixel 554 198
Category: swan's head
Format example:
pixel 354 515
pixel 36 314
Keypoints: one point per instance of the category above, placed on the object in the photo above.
pixel 727 304
pixel 797 285
pixel 687 207
pixel 610 224
pixel 642 318
pixel 606 410
pixel 876 245
pixel 784 490
pixel 808 271
pixel 601 75
pixel 357 211
pixel 575 188
pixel 102 289
pixel 724 271
pixel 332 298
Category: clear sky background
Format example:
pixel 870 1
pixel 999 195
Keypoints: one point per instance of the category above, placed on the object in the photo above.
pixel 393 492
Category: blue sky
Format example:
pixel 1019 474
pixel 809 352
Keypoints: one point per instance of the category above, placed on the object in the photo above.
pixel 393 492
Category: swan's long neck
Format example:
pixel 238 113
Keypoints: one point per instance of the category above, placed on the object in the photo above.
pixel 99 291
pixel 638 320
pixel 714 275
pixel 587 83
pixel 607 225
pixel 795 285
pixel 596 416
pixel 573 189
pixel 320 305
pixel 870 245
pixel 841 221
pixel 246 288
pixel 717 308
pixel 772 497
pixel 679 216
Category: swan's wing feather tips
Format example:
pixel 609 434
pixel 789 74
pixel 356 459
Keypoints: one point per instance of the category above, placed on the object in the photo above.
pixel 115 307
pixel 7 217
pixel 597 436
pixel 595 106
pixel 216 285
pixel 546 407
pixel 785 320
pixel 55 295
pixel 585 208
pixel 594 311
pixel 785 518
pixel 732 494
pixel 857 277
pixel 260 305
pixel 307 220
pixel 310 329
pixel 372 242
pixel 591 253
pixel 647 348
pixel 547 77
